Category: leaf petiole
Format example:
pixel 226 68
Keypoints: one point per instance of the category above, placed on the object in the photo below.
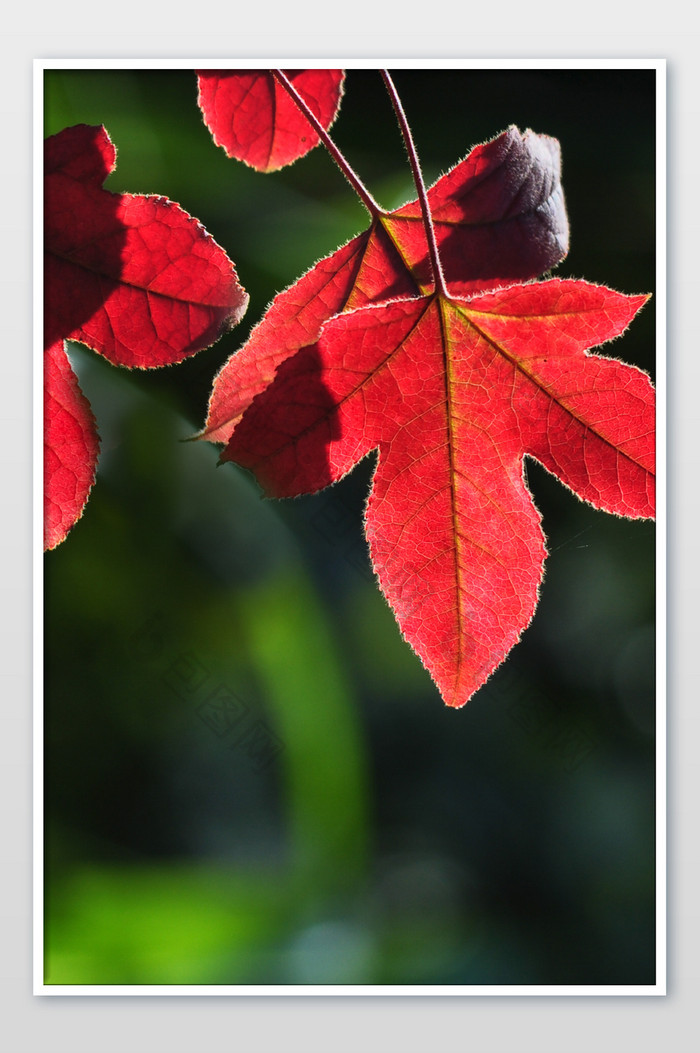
pixel 440 285
pixel 343 164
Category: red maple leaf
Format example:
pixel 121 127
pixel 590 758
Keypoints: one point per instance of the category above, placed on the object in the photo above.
pixel 453 393
pixel 499 217
pixel 132 276
pixel 254 119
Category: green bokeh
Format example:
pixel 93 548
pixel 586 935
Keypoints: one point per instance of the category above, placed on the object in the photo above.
pixel 344 826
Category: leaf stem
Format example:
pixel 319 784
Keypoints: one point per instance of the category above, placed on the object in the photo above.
pixel 345 167
pixel 438 275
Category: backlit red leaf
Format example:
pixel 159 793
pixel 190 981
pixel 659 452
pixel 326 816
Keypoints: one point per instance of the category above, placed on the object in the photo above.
pixel 255 120
pixel 453 393
pixel 499 217
pixel 71 446
pixel 132 276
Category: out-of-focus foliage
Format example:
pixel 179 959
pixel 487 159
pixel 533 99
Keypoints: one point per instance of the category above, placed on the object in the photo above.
pixel 249 776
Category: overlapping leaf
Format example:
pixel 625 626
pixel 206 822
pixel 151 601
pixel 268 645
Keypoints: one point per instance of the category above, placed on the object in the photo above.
pixel 132 276
pixel 499 216
pixel 453 393
pixel 254 119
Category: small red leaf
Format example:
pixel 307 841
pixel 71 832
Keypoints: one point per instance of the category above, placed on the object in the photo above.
pixel 132 276
pixel 255 120
pixel 499 216
pixel 82 152
pixel 71 445
pixel 454 393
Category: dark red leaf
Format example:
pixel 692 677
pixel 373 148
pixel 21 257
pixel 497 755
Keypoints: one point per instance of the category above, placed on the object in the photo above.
pixel 499 216
pixel 453 393
pixel 255 120
pixel 132 276
pixel 71 446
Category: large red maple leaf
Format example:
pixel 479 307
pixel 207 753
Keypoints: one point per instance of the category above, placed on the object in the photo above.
pixel 132 276
pixel 499 217
pixel 453 393
pixel 253 118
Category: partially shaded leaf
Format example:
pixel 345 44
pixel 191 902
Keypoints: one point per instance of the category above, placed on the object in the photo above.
pixel 132 276
pixel 453 393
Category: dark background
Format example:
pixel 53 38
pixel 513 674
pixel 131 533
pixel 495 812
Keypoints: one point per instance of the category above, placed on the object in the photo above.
pixel 344 826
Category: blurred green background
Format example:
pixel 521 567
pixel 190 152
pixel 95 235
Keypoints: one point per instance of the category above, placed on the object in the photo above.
pixel 250 778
